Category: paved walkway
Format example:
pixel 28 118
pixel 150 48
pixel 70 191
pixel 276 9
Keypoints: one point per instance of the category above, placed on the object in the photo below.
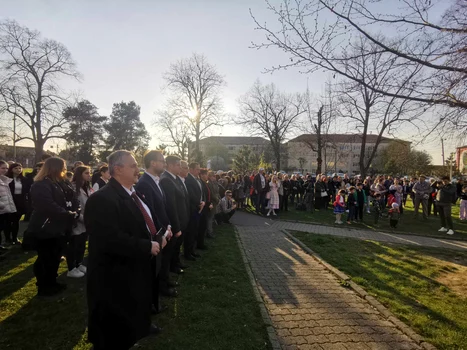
pixel 254 220
pixel 308 307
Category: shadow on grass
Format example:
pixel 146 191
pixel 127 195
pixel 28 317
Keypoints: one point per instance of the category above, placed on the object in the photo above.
pixel 404 279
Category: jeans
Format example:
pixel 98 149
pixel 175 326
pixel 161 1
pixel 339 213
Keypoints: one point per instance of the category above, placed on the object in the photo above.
pixel 260 202
pixel 424 203
pixel 75 250
pixel 224 217
pixel 445 215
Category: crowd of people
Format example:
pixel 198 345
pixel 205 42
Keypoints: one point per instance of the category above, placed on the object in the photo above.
pixel 143 226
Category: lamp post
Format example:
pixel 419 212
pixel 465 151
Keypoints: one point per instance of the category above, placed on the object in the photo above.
pixel 14 137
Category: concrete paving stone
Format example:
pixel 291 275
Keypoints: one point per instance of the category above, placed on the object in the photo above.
pixel 306 302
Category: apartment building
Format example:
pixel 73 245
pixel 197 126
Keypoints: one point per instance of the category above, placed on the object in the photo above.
pixel 341 154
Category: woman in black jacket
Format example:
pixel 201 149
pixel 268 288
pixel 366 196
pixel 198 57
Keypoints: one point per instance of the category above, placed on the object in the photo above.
pixel 19 188
pixel 55 207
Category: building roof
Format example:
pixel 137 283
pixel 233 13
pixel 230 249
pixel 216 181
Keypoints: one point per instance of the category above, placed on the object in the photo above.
pixel 234 140
pixel 343 138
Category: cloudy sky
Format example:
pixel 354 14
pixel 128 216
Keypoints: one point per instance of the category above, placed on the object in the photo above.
pixel 122 48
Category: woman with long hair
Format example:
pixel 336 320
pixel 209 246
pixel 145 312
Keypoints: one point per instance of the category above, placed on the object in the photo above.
pixel 77 242
pixel 19 188
pixel 103 178
pixel 55 208
pixel 7 205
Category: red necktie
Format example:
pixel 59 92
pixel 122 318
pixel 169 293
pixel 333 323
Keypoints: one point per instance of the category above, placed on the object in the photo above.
pixel 147 217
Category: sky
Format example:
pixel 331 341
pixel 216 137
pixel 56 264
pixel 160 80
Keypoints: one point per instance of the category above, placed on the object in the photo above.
pixel 122 49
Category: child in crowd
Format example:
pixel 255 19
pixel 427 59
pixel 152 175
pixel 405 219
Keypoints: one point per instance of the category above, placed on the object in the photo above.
pixel 463 204
pixel 351 205
pixel 394 215
pixel 339 206
pixel 377 207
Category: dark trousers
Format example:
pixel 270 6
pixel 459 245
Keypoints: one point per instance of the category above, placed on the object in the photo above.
pixel 75 250
pixel 175 255
pixel 166 260
pixel 360 208
pixel 285 202
pixel 224 217
pixel 352 212
pixel 393 223
pixel 445 215
pixel 49 252
pixel 3 226
pixel 202 227
pixel 191 235
pixel 260 201
pixel 155 284
pixel 11 227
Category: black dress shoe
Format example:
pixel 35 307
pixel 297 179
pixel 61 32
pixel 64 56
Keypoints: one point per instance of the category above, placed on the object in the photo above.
pixel 211 236
pixel 169 292
pixel 190 258
pixel 173 284
pixel 196 255
pixel 183 267
pixel 203 247
pixel 153 329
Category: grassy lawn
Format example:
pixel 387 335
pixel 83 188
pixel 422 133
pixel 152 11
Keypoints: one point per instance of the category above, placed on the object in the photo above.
pixel 216 307
pixel 407 223
pixel 424 287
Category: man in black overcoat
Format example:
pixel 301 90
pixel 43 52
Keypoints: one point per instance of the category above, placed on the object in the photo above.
pixel 194 186
pixel 123 238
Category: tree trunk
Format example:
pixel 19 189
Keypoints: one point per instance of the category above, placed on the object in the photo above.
pixel 39 149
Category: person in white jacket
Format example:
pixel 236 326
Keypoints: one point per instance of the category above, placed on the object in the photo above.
pixel 7 205
pixel 77 243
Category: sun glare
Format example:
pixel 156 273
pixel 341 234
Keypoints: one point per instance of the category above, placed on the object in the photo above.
pixel 192 113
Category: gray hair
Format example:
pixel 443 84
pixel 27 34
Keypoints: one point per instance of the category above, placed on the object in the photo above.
pixel 116 159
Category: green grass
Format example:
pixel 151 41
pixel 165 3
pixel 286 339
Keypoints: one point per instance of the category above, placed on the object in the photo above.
pixel 407 223
pixel 216 307
pixel 407 281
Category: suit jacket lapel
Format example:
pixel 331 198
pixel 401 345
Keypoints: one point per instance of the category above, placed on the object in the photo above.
pixel 130 204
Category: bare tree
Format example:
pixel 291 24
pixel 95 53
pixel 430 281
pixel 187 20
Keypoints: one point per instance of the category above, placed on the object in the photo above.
pixel 196 102
pixel 319 34
pixel 31 68
pixel 267 112
pixel 176 128
pixel 367 109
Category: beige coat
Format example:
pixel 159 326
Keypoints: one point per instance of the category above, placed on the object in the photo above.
pixel 7 205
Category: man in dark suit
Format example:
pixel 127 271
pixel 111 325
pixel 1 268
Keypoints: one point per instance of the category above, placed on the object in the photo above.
pixel 195 191
pixel 205 213
pixel 176 208
pixel 123 238
pixel 259 185
pixel 149 186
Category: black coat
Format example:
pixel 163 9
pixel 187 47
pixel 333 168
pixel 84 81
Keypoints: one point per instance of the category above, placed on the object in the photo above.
pixel 194 190
pixel 154 198
pixel 257 183
pixel 177 204
pixel 119 271
pixel 50 217
pixel 21 201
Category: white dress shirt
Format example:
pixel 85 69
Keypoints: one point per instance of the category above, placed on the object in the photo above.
pixel 156 180
pixel 148 211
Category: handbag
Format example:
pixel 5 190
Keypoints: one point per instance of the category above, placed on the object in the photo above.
pixel 324 194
